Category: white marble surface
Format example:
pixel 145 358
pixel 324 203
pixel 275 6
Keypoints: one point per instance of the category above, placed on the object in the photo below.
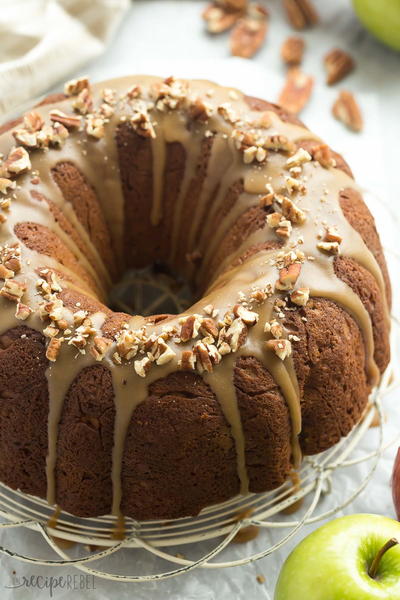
pixel 167 37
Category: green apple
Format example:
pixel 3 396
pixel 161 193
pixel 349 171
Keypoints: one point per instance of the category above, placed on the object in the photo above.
pixel 382 18
pixel 351 558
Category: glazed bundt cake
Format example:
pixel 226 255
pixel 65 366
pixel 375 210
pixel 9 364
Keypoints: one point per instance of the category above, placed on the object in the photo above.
pixel 161 416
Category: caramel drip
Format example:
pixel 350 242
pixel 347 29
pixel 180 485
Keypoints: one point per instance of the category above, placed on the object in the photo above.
pixel 221 383
pixel 53 520
pixel 158 151
pixel 320 203
pixel 60 375
pixel 218 163
pixel 72 153
pixel 230 176
pixel 192 158
pixel 283 373
pixel 102 157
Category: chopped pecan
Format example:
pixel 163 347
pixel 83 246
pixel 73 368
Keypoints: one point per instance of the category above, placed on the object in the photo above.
pixel 267 200
pixel 279 143
pixel 133 92
pixel 292 50
pixel 200 110
pixel 249 317
pixel 94 126
pixel 299 158
pixel 190 327
pixel 109 96
pixel 234 4
pixel 347 110
pixel 50 331
pixel 285 229
pixel 258 296
pixel 33 121
pixel 224 348
pixel 208 309
pixel 166 355
pixel 69 121
pixel 23 311
pixel 236 334
pixel 209 327
pixel 329 247
pixel 17 162
pixel 25 138
pixel 294 185
pixel 296 91
pixel 274 328
pixel 6 185
pixel 170 94
pixel 282 348
pixel 301 13
pixel 300 296
pixel 249 33
pixel 13 290
pixel 273 220
pixel 188 360
pixel 58 135
pixel 288 277
pixel 338 64
pixel 100 347
pixel 127 345
pixel 292 212
pixel 142 124
pixel 219 18
pixel 79 316
pixel 83 103
pixel 332 235
pixel 203 358
pixel 323 154
pixel 10 257
pixel 53 349
pixel 6 273
pixel 249 154
pixel 5 203
pixel 75 86
pixel 106 110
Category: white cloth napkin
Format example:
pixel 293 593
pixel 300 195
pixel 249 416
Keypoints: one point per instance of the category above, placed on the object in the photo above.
pixel 43 41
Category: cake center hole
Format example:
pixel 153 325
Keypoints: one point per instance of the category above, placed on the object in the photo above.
pixel 152 290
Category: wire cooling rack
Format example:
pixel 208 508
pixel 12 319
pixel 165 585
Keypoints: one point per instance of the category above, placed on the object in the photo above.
pixel 96 539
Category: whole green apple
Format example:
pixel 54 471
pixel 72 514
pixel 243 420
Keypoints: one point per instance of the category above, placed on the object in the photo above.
pixel 382 18
pixel 351 558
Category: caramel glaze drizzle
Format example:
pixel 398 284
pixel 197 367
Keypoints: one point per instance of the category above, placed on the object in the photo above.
pixel 225 167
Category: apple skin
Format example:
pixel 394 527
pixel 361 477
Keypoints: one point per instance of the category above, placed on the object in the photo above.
pixel 396 484
pixel 382 18
pixel 332 563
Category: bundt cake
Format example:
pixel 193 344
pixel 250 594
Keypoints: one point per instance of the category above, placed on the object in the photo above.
pixel 158 417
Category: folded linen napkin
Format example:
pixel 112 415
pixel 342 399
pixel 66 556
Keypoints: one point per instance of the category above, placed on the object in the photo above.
pixel 43 41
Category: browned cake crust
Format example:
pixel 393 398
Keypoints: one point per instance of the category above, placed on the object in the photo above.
pixel 179 454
